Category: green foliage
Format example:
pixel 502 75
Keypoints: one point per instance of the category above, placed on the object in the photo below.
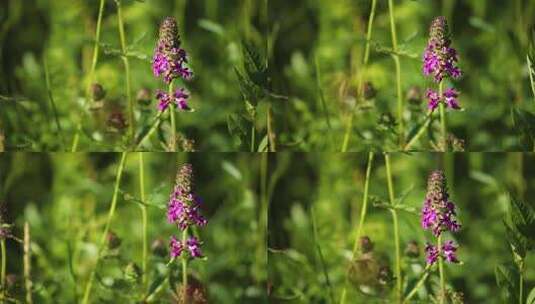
pixel 332 186
pixel 65 199
pixel 520 227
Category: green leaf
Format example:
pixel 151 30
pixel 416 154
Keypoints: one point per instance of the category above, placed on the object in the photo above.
pixel 399 200
pixel 236 126
pixel 531 297
pixel 212 27
pixel 506 278
pixel 156 284
pixel 524 123
pixel 263 146
pixel 255 65
pixel 232 170
pixel 518 243
pixel 522 217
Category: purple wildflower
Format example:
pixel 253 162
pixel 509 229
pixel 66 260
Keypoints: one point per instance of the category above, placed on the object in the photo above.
pixel 438 212
pixel 170 60
pixel 449 98
pixel 433 98
pixel 179 99
pixel 449 250
pixel 176 247
pixel 431 254
pixel 439 59
pixel 184 211
pixel 194 247
pixel 163 100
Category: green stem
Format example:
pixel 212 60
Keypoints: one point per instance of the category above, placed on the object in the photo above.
pixel 52 103
pixel 417 286
pixel 369 32
pixel 364 209
pixel 131 119
pixel 184 269
pixel 521 283
pixel 173 122
pixel 398 71
pixel 253 131
pixel 420 131
pixel 443 129
pixel 270 134
pixel 95 48
pixel 3 273
pixel 349 126
pixel 531 71
pixel 261 253
pixel 151 130
pixel 143 219
pixel 441 273
pixel 396 227
pixel 320 254
pixel 320 93
pixel 91 77
pixel 27 264
pixel 106 228
pixel 362 218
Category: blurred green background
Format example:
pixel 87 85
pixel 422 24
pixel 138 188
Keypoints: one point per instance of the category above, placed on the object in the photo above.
pixel 317 49
pixel 65 199
pixel 330 186
pixel 61 34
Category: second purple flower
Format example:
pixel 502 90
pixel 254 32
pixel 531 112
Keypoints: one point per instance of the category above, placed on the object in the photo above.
pixel 183 210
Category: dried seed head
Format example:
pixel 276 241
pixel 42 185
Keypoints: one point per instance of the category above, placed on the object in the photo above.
pixel 385 275
pixel 412 250
pixel 117 121
pixel 97 92
pixel 143 96
pixel 188 145
pixel 12 280
pixel 159 247
pixel 457 144
pixel 368 91
pixel 414 95
pixel 366 244
pixel 457 297
pixel 195 292
pixel 112 240
pixel 363 271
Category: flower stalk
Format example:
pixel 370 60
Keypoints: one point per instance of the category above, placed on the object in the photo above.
pixel 102 243
pixel 144 220
pixel 362 219
pixel 439 215
pixel 27 264
pixel 131 118
pixel 91 77
pixel 395 56
pixel 183 210
pixel 395 225
pixel 345 142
